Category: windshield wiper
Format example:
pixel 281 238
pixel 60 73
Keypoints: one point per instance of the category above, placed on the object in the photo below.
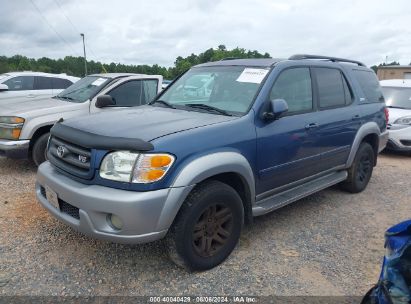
pixel 163 103
pixel 64 97
pixel 207 108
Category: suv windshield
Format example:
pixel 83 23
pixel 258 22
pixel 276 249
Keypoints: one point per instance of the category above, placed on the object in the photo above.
pixel 83 89
pixel 221 89
pixel 397 97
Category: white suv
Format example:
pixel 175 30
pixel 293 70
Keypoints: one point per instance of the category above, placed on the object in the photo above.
pixel 397 94
pixel 33 84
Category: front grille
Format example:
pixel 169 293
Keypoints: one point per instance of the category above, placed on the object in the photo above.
pixel 406 142
pixel 69 209
pixel 64 206
pixel 70 157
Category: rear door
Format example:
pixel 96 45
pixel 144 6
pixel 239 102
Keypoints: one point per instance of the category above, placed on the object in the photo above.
pixel 337 121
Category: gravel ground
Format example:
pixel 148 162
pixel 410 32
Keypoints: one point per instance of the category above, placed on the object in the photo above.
pixel 330 243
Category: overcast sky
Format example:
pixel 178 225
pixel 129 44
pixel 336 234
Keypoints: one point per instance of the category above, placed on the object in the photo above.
pixel 156 31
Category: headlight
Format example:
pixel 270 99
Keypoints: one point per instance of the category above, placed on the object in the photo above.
pixel 10 127
pixel 406 120
pixel 151 167
pixel 11 120
pixel 125 166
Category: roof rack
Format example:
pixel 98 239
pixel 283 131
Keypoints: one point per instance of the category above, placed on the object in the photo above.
pixel 333 59
pixel 231 58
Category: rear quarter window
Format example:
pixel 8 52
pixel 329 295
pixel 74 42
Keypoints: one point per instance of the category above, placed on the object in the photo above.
pixel 370 85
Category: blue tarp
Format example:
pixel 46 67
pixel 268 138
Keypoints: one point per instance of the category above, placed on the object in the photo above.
pixel 394 284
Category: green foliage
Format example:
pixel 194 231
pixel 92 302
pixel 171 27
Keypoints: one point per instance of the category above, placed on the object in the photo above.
pixel 75 65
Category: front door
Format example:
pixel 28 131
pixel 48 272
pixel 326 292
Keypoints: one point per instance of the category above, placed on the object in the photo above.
pixel 284 146
pixel 131 93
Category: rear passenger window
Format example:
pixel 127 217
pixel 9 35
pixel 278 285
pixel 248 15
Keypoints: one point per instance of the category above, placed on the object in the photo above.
pixel 59 83
pixel 42 83
pixel 333 90
pixel 294 86
pixel 370 85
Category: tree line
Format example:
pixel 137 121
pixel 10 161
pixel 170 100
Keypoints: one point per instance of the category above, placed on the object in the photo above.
pixel 75 65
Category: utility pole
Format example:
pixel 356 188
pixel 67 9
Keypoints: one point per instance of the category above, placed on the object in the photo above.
pixel 85 59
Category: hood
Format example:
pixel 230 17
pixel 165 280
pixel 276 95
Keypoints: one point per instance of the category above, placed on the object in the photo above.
pixel 397 113
pixel 35 107
pixel 144 122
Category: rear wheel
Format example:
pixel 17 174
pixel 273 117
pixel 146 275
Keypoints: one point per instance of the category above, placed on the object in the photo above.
pixel 39 152
pixel 361 170
pixel 207 228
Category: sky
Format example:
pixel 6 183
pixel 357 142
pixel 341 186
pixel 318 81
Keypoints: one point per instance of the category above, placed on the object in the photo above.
pixel 157 31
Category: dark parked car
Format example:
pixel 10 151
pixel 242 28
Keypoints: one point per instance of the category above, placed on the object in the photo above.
pixel 225 142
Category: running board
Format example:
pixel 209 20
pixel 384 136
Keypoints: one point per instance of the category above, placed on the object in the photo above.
pixel 289 196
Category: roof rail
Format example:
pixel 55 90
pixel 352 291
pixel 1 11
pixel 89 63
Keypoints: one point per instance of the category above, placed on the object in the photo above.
pixel 231 58
pixel 333 59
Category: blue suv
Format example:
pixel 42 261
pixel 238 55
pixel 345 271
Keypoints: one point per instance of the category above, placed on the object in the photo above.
pixel 225 142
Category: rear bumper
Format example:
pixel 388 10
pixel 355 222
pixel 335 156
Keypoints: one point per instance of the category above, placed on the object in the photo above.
pixel 14 148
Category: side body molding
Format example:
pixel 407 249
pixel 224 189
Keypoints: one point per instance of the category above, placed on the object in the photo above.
pixel 366 129
pixel 199 170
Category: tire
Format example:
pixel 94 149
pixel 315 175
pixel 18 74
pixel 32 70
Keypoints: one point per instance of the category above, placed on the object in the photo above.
pixel 207 227
pixel 39 152
pixel 360 172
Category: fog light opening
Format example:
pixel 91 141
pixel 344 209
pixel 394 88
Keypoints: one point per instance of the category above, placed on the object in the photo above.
pixel 114 221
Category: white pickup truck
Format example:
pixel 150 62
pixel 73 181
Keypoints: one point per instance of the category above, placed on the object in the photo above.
pixel 25 125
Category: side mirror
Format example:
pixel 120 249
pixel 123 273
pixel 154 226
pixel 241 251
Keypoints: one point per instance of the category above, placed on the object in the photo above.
pixel 278 107
pixel 3 87
pixel 105 101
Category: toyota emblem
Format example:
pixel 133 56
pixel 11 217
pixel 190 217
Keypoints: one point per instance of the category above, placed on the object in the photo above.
pixel 61 151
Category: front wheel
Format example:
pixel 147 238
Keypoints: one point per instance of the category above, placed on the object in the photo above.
pixel 207 228
pixel 39 152
pixel 359 174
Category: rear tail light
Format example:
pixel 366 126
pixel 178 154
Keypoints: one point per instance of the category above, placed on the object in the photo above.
pixel 387 115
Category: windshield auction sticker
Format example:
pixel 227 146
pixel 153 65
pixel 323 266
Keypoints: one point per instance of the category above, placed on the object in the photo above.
pixel 252 75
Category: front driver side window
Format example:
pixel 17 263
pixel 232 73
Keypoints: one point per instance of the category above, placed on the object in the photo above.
pixel 20 83
pixel 294 86
pixel 134 93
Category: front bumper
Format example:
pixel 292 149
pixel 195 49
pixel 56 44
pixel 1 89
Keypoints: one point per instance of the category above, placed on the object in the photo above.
pixel 383 141
pixel 146 216
pixel 14 148
pixel 399 138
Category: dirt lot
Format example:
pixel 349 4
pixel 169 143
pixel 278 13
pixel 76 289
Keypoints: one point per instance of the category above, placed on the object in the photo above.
pixel 330 243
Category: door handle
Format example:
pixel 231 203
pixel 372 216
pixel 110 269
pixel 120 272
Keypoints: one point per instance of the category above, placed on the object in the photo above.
pixel 31 95
pixel 312 126
pixel 356 117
